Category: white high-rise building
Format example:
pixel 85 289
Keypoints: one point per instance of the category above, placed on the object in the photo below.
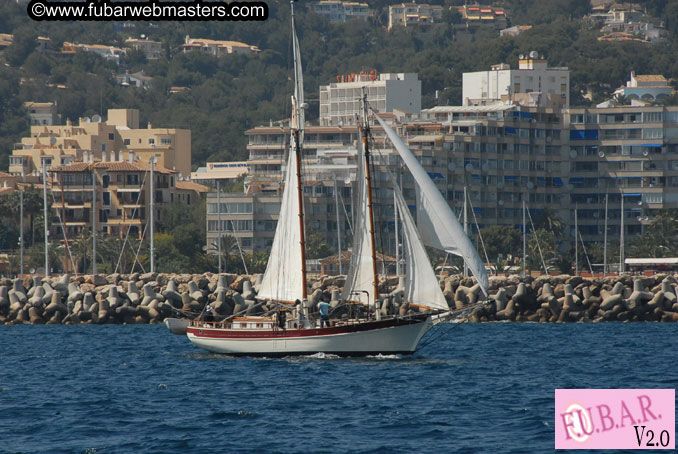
pixel 340 101
pixel 532 76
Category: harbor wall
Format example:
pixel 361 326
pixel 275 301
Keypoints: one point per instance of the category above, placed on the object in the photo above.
pixel 152 297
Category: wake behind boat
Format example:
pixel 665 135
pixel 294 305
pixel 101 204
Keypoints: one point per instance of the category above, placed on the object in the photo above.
pixel 293 323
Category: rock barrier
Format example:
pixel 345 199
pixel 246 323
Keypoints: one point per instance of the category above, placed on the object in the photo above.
pixel 152 297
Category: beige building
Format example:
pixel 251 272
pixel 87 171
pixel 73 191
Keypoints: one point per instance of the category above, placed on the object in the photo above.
pixel 42 113
pixel 112 140
pixel 218 48
pixel 123 196
pixel 108 52
pixel 413 14
pixel 341 11
pixel 152 49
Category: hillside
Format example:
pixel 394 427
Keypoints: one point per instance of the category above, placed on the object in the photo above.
pixel 231 94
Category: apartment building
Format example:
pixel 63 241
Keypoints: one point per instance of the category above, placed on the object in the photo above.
pixel 413 15
pixel 476 16
pixel 108 52
pixel 218 48
pixel 532 76
pixel 151 49
pixel 340 101
pixel 624 152
pixel 123 196
pixel 117 136
pixel 42 113
pixel 341 11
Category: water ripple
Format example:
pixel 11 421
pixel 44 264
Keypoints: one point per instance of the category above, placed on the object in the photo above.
pixel 484 388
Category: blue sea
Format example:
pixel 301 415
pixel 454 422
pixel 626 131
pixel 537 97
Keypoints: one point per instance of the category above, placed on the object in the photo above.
pixel 479 388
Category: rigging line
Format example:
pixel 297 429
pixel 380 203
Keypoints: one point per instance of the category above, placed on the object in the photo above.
pixel 137 253
pixel 537 239
pixel 129 227
pixel 63 229
pixel 475 220
pixel 585 253
pixel 237 242
pixel 350 228
pixel 439 333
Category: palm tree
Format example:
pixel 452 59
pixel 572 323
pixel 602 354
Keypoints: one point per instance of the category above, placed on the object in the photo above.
pixel 621 100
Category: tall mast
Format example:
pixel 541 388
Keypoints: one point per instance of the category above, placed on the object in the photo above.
pixel 397 240
pixel 621 238
pixel 336 206
pixel 365 131
pixel 465 225
pixel 297 126
pixel 94 221
pixel 152 216
pixel 524 242
pixel 21 226
pixel 219 222
pixel 605 240
pixel 576 243
pixel 44 201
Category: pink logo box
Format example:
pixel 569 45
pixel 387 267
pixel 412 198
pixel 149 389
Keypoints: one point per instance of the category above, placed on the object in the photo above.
pixel 615 418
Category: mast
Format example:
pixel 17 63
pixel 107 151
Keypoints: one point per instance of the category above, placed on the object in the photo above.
pixel 605 240
pixel 297 128
pixel 21 227
pixel 336 205
pixel 621 238
pixel 576 243
pixel 524 242
pixel 465 227
pixel 368 179
pixel 152 216
pixel 397 248
pixel 63 219
pixel 219 222
pixel 94 221
pixel 44 202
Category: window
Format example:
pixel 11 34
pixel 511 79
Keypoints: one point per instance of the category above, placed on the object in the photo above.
pixel 151 141
pixel 107 198
pixel 166 141
pixel 126 141
pixel 111 136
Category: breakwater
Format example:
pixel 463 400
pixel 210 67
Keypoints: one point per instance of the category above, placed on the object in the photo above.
pixel 152 297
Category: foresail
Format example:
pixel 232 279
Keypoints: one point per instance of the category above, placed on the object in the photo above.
pixel 283 279
pixel 421 283
pixel 436 215
pixel 360 276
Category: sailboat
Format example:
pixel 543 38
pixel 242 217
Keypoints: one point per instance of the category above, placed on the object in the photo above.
pixel 284 284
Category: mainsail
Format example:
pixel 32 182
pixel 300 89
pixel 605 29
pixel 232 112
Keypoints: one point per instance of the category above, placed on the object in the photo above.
pixel 359 284
pixel 438 225
pixel 284 278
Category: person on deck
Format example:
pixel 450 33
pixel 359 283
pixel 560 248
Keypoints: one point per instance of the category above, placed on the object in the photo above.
pixel 324 308
pixel 300 314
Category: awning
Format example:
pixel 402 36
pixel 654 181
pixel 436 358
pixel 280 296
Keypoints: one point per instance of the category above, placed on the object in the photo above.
pixel 652 145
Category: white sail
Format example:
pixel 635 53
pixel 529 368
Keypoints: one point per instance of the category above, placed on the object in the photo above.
pixel 439 227
pixel 359 284
pixel 283 279
pixel 421 283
